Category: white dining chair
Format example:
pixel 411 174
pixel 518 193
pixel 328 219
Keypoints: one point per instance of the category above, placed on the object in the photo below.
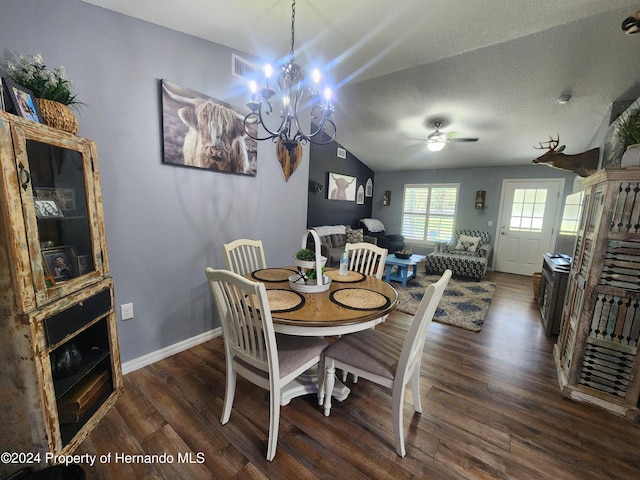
pixel 386 360
pixel 252 348
pixel 366 258
pixel 244 256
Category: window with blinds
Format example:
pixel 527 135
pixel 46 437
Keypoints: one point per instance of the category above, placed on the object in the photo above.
pixel 429 212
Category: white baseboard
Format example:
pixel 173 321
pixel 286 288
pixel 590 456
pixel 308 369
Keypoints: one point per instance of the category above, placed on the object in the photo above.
pixel 165 352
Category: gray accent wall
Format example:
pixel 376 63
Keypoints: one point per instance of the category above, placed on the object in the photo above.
pixel 321 210
pixel 164 223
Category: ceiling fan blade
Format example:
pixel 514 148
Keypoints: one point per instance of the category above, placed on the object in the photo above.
pixel 463 139
pixel 415 139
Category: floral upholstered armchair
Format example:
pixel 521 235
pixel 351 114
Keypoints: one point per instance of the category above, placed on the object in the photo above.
pixel 467 255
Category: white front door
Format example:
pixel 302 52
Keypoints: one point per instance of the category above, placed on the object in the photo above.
pixel 529 212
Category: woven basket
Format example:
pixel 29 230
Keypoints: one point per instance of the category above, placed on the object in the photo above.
pixel 537 278
pixel 57 115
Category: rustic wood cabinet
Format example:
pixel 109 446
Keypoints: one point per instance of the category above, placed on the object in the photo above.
pixel 57 318
pixel 597 350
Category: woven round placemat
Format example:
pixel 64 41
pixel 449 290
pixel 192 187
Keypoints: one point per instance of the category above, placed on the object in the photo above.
pixel 273 274
pixel 284 300
pixel 350 277
pixel 359 299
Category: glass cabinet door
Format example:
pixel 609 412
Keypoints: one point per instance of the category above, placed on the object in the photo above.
pixel 58 195
pixel 60 202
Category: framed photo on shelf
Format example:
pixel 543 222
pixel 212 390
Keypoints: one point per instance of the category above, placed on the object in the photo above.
pixel 23 101
pixel 64 197
pixel 47 208
pixel 2 107
pixel 83 264
pixel 60 262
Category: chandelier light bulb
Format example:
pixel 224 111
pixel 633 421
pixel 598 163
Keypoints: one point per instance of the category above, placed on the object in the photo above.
pixel 293 88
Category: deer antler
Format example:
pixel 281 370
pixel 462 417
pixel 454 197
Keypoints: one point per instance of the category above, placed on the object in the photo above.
pixel 548 144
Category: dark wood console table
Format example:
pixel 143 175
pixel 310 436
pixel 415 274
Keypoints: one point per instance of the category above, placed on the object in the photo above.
pixel 553 286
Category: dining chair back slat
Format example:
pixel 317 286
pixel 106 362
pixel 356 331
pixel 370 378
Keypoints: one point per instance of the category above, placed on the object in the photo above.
pixel 244 256
pixel 366 258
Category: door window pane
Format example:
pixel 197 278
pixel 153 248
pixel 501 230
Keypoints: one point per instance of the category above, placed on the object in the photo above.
pixel 527 211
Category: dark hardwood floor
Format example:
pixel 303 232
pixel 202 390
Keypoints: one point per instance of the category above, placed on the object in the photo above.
pixel 491 410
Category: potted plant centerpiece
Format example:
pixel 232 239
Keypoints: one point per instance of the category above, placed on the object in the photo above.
pixel 306 258
pixel 629 135
pixel 309 263
pixel 52 89
pixel 306 263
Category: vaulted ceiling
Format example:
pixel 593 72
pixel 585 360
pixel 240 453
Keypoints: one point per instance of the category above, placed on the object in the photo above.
pixel 490 69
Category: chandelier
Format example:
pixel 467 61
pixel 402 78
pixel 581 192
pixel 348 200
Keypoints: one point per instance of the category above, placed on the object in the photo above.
pixel 292 86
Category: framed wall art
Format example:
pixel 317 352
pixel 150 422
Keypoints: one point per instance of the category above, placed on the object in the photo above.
pixel 368 190
pixel 22 101
pixel 360 195
pixel 341 187
pixel 202 132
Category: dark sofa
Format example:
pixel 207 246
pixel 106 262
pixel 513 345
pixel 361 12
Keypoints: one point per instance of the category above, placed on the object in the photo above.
pixel 375 228
pixel 333 239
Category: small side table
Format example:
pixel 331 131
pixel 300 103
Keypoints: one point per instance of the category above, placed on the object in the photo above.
pixel 402 273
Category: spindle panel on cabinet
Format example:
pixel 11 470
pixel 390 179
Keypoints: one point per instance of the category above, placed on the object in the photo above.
pixel 597 351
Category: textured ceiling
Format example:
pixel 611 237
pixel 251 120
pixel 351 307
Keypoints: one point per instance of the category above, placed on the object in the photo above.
pixel 491 69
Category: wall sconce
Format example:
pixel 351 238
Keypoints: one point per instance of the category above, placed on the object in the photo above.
pixel 386 198
pixel 480 198
pixel 315 186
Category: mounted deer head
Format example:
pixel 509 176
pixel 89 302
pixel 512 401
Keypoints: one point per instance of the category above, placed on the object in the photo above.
pixel 583 164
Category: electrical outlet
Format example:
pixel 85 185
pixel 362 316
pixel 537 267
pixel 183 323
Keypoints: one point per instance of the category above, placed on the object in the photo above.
pixel 490 223
pixel 126 311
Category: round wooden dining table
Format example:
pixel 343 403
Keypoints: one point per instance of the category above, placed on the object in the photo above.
pixel 352 303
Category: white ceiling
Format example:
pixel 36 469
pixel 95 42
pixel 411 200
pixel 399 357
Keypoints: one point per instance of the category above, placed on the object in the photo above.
pixel 491 69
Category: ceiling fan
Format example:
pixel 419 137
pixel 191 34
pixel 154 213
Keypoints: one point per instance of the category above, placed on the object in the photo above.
pixel 437 140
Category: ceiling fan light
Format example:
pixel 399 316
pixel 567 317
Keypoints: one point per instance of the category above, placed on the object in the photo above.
pixel 435 145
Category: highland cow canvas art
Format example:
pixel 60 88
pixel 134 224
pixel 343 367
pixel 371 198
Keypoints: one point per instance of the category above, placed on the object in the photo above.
pixel 202 132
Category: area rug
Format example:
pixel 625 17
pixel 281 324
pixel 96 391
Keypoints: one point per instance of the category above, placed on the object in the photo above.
pixel 464 304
